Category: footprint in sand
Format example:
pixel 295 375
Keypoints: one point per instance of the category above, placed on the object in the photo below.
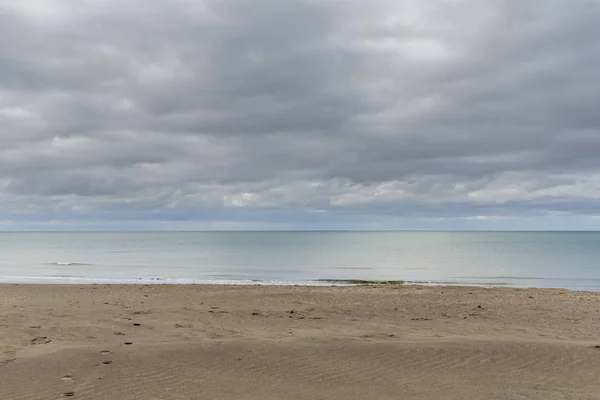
pixel 40 340
pixel 67 378
pixel 105 352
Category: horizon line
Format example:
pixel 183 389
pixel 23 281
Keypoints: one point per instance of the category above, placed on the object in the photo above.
pixel 283 230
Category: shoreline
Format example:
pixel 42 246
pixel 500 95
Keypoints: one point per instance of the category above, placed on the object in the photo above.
pixel 297 342
pixel 62 281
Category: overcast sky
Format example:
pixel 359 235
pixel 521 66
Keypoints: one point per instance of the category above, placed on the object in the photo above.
pixel 320 114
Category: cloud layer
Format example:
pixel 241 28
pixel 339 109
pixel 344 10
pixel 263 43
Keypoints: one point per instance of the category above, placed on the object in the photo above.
pixel 237 112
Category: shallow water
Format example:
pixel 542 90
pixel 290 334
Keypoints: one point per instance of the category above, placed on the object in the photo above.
pixel 522 259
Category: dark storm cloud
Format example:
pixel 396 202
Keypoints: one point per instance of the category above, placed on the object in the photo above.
pixel 436 109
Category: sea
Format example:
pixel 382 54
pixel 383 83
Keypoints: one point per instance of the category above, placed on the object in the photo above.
pixel 568 260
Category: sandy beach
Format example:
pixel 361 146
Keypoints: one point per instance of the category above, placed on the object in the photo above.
pixel 240 342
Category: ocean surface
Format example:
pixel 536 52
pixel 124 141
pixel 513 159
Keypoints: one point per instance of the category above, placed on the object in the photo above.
pixel 518 259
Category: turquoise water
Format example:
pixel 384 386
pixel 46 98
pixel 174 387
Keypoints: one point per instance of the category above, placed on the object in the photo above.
pixel 520 259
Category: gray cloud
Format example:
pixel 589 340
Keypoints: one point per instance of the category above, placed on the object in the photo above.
pixel 309 109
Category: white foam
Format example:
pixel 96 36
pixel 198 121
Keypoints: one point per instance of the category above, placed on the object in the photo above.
pixel 157 281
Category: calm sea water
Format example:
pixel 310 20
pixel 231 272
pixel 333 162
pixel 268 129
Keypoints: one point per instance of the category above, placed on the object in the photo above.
pixel 522 259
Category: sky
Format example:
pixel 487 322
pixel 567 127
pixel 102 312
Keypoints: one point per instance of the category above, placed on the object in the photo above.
pixel 304 114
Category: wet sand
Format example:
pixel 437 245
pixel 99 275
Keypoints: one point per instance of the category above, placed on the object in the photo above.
pixel 239 342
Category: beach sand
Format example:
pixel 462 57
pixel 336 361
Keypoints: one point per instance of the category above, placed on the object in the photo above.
pixel 239 342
